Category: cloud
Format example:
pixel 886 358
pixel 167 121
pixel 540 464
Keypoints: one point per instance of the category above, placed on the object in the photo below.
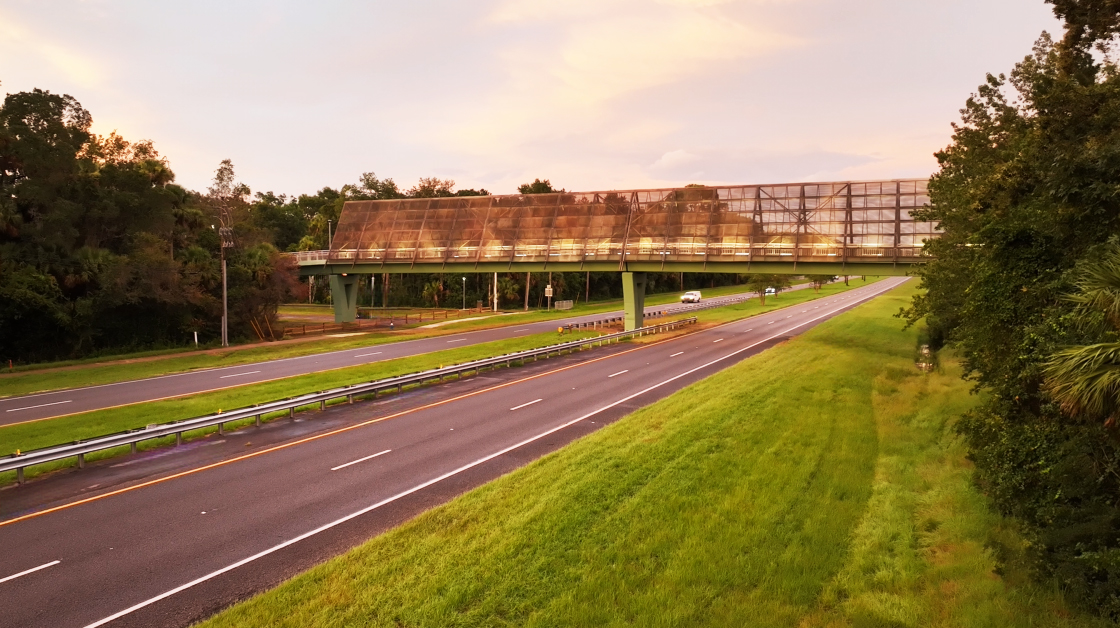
pixel 674 159
pixel 614 57
pixel 567 68
pixel 17 41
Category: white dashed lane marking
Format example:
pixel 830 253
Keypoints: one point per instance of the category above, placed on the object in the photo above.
pixel 526 404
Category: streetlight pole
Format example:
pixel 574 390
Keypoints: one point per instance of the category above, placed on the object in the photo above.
pixel 330 240
pixel 464 293
pixel 225 234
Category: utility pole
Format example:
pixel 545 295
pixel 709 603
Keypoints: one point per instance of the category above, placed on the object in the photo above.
pixel 464 293
pixel 495 292
pixel 330 239
pixel 527 275
pixel 226 234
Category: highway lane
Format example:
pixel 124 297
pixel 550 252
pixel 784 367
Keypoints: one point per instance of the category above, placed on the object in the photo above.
pixel 175 551
pixel 47 405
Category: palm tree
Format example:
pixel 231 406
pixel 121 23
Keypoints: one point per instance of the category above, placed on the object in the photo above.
pixel 1085 379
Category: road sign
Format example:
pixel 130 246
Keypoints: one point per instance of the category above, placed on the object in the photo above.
pixel 548 291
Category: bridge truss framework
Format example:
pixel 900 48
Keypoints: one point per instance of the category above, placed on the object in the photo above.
pixel 854 227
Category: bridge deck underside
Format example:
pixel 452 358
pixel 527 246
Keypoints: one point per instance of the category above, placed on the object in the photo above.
pixel 832 227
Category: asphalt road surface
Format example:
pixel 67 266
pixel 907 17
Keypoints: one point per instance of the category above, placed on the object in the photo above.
pixel 74 400
pixel 168 537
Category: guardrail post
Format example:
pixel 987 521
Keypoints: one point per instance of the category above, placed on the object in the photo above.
pixel 350 398
pixel 178 438
pixel 221 429
pixel 322 405
pixel 258 420
pixel 133 446
pixel 81 461
pixel 19 475
pixel 291 413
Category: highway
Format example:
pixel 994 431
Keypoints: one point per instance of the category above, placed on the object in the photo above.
pixel 168 537
pixel 26 408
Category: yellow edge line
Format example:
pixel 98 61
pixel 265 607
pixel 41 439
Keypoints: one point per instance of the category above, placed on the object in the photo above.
pixel 341 430
pixel 263 381
pixel 313 438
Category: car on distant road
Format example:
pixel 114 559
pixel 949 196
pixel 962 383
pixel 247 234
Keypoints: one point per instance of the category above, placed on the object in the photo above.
pixel 770 291
pixel 692 296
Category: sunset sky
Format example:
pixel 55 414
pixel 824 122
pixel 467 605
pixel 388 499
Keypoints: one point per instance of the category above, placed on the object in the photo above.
pixel 594 95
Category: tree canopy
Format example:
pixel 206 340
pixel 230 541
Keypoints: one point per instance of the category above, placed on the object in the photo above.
pixel 1027 193
pixel 100 249
pixel 538 187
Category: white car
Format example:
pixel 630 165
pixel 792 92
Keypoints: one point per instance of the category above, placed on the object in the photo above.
pixel 770 291
pixel 692 296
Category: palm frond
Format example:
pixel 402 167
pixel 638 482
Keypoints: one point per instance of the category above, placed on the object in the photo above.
pixel 1099 288
pixel 1085 380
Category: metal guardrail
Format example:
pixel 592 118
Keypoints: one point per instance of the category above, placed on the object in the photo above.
pixel 79 449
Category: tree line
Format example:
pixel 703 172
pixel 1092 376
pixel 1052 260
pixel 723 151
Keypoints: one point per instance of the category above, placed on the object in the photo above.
pixel 102 252
pixel 1025 287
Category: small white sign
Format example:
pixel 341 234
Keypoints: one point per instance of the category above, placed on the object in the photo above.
pixel 548 291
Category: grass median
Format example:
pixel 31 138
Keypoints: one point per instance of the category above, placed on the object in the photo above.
pixel 38 434
pixel 47 432
pixel 151 364
pixel 818 484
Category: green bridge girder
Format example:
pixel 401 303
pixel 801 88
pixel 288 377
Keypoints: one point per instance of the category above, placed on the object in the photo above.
pixel 344 277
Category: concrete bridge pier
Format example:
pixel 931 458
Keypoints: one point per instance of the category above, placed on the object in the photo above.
pixel 344 297
pixel 634 300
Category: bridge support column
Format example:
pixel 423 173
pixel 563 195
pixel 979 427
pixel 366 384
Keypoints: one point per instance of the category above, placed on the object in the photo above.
pixel 344 297
pixel 634 299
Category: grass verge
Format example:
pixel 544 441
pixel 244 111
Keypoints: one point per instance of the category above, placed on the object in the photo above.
pixel 817 485
pixel 28 380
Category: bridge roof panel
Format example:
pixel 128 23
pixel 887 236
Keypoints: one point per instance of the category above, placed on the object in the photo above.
pixel 864 221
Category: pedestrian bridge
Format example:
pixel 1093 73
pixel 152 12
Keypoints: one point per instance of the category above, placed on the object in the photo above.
pixel 839 228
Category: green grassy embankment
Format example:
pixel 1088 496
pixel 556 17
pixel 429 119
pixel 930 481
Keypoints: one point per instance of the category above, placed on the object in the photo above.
pixel 818 484
pixel 27 380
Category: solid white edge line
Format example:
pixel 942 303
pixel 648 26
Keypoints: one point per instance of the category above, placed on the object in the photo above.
pixel 42 405
pixel 343 466
pixel 32 570
pixel 239 374
pixel 525 404
pixel 419 487
pixel 618 373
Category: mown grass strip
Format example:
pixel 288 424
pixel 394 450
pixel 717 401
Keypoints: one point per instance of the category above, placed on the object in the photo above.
pixel 818 484
pixel 28 436
pixel 30 381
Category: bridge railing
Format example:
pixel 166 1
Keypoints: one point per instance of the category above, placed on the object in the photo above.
pixel 310 256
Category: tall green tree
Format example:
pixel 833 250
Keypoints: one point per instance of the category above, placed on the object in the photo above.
pixel 538 187
pixel 1028 190
pixel 99 249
